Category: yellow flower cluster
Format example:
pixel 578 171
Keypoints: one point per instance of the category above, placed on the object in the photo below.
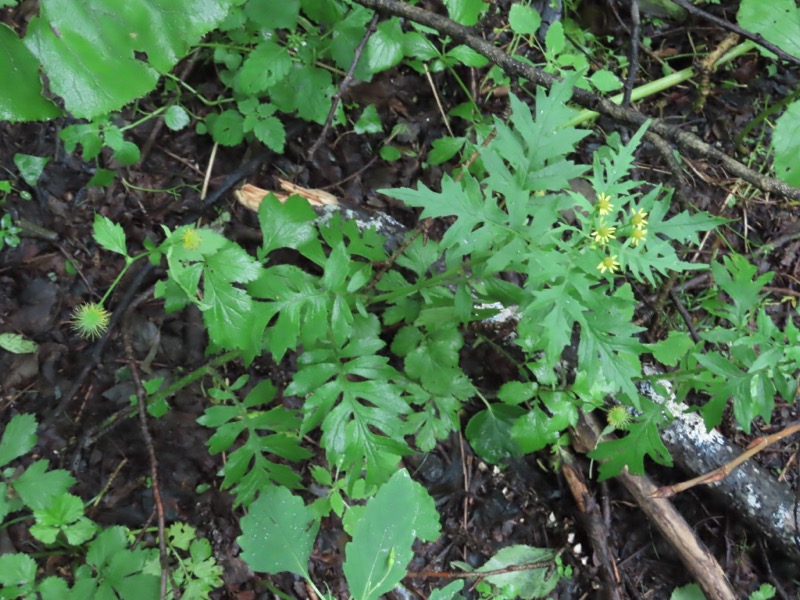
pixel 606 232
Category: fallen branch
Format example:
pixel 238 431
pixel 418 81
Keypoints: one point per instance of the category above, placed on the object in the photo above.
pixel 693 553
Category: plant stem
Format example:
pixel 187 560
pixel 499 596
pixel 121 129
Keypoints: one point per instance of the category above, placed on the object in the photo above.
pixel 659 85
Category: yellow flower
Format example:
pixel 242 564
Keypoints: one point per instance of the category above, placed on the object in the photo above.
pixel 90 320
pixel 638 218
pixel 191 238
pixel 604 234
pixel 603 204
pixel 609 263
pixel 637 237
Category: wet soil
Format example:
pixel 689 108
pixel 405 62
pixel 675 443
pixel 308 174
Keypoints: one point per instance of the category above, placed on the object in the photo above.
pixel 57 265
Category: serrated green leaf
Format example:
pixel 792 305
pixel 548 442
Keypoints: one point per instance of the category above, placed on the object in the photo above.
pixel 176 117
pixel 285 224
pixel 89 53
pixel 109 235
pixel 120 569
pixel 264 67
pixel 37 486
pixel 523 19
pixel 377 558
pixel 227 128
pixel 17 344
pixel 227 311
pixel 271 132
pixel 19 437
pixel 643 439
pixel 278 533
pixel 307 90
pixel 22 101
pixel 554 39
pixel 17 570
pixel 670 350
pixel 385 46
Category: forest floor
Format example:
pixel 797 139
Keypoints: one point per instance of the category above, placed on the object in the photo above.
pixel 57 266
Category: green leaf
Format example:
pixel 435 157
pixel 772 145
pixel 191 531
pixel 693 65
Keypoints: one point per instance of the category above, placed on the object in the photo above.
pixel 444 148
pixel 642 440
pixel 448 592
pixel 523 19
pixel 278 533
pixel 227 128
pixel 176 117
pixel 273 15
pixel 270 132
pixel 369 121
pixel 37 486
pixel 523 583
pixel 63 515
pixel 307 90
pixel 465 12
pixel 688 592
pixel 786 144
pixel 89 53
pixel 537 429
pixel 17 344
pixel 670 350
pixel 489 433
pixel 468 57
pixel 19 438
pixel 554 39
pixel 120 570
pixel 109 235
pixel 17 570
pixel 777 21
pixel 30 167
pixel 22 101
pixel 285 224
pixel 265 66
pixel 385 46
pixel 605 81
pixel 377 558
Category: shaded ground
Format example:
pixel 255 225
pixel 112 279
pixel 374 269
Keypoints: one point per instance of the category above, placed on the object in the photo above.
pixel 527 503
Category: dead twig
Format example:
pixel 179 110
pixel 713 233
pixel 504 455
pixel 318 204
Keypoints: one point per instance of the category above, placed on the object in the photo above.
pixel 592 519
pixel 148 441
pixel 337 97
pixel 693 553
pixel 756 446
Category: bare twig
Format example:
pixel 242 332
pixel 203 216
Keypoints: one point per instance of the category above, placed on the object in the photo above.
pixel 694 555
pixel 756 446
pixel 148 441
pixel 343 86
pixel 633 67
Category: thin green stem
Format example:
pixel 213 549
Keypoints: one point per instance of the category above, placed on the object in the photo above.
pixel 659 85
